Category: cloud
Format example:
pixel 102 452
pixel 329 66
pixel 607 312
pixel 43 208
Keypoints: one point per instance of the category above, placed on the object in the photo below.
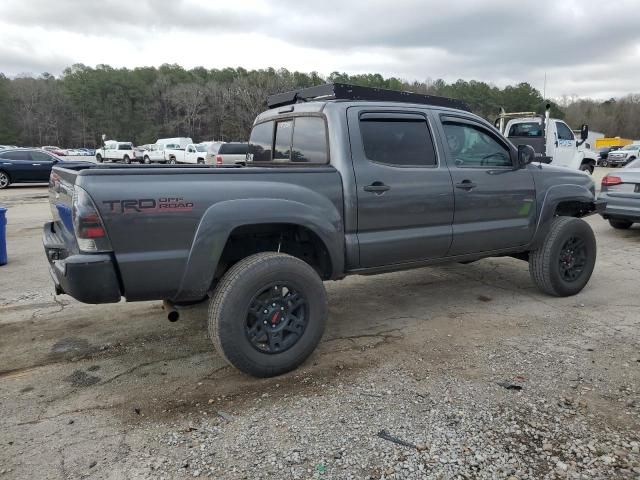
pixel 497 41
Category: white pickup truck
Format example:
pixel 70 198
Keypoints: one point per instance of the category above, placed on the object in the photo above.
pixel 115 151
pixel 551 138
pixel 169 150
pixel 192 153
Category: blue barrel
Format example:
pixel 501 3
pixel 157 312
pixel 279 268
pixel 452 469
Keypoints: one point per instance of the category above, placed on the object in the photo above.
pixel 3 236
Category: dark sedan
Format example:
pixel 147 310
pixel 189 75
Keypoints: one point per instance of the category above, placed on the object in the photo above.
pixel 26 165
pixel 621 190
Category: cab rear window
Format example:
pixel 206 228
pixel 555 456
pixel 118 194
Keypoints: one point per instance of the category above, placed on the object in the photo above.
pixel 295 140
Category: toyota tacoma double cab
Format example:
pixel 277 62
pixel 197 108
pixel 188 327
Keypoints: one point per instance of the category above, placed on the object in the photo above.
pixel 339 180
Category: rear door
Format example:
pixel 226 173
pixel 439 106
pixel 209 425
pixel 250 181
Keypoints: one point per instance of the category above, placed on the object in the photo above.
pixel 404 190
pixel 495 199
pixel 18 164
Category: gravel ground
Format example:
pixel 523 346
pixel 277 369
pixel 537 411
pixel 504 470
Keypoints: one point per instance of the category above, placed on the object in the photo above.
pixel 460 371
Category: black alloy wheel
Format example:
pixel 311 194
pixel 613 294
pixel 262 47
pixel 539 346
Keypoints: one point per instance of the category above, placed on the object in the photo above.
pixel 276 319
pixel 573 258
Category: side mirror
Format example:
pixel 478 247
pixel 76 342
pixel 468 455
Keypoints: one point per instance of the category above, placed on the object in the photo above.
pixel 526 155
pixel 584 132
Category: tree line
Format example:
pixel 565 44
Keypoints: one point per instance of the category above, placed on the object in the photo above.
pixel 146 103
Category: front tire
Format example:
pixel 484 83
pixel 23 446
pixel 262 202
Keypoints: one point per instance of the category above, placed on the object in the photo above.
pixel 268 314
pixel 147 160
pixel 587 167
pixel 99 158
pixel 620 224
pixel 563 264
pixel 605 163
pixel 172 161
pixel 5 180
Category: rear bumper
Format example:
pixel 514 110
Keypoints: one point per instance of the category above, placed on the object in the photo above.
pixel 89 278
pixel 621 208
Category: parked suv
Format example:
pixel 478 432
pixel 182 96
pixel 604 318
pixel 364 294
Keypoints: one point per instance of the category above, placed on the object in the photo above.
pixel 227 153
pixel 351 180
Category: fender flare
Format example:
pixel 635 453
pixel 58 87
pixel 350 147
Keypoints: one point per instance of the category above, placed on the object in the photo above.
pixel 222 218
pixel 554 196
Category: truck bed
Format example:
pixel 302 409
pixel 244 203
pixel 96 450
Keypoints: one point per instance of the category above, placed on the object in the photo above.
pixel 168 224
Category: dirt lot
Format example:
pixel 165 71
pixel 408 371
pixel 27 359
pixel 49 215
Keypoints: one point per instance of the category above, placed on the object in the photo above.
pixel 479 374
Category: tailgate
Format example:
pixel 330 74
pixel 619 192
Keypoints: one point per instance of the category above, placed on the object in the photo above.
pixel 61 188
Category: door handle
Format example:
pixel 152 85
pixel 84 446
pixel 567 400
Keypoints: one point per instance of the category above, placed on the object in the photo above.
pixel 377 187
pixel 466 185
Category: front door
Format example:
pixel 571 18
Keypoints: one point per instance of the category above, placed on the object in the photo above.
pixel 495 199
pixel 404 190
pixel 564 145
pixel 41 164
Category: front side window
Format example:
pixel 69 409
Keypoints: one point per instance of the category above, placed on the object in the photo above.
pixel 472 146
pixel 260 142
pixel 125 146
pixel 564 132
pixel 398 142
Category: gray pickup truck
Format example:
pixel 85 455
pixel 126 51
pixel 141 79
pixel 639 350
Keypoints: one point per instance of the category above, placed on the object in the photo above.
pixel 339 180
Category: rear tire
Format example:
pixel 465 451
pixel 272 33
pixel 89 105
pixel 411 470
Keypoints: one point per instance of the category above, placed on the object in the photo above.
pixel 147 160
pixel 126 159
pixel 267 314
pixel 620 224
pixel 5 180
pixel 99 158
pixel 172 161
pixel 201 161
pixel 563 264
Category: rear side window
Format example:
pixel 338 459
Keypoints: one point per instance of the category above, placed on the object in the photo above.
pixel 125 146
pixel 260 142
pixel 398 142
pixel 233 149
pixel 527 129
pixel 16 155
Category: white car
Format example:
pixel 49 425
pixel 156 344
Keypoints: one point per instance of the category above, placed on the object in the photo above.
pixel 116 152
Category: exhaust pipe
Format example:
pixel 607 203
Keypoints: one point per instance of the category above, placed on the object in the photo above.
pixel 172 314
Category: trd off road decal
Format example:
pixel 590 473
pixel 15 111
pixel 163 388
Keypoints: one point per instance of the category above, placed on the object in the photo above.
pixel 149 205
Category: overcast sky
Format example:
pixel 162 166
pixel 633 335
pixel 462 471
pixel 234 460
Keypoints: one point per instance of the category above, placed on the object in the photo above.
pixel 586 47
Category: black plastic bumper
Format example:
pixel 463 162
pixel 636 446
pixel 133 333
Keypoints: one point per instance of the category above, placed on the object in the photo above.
pixel 89 278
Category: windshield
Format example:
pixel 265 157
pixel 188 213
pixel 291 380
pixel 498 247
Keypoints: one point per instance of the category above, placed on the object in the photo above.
pixel 201 148
pixel 631 147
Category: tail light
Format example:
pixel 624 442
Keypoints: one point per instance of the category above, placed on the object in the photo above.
pixel 218 159
pixel 87 224
pixel 611 180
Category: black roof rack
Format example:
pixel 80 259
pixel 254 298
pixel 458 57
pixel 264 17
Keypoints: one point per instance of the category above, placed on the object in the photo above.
pixel 343 91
